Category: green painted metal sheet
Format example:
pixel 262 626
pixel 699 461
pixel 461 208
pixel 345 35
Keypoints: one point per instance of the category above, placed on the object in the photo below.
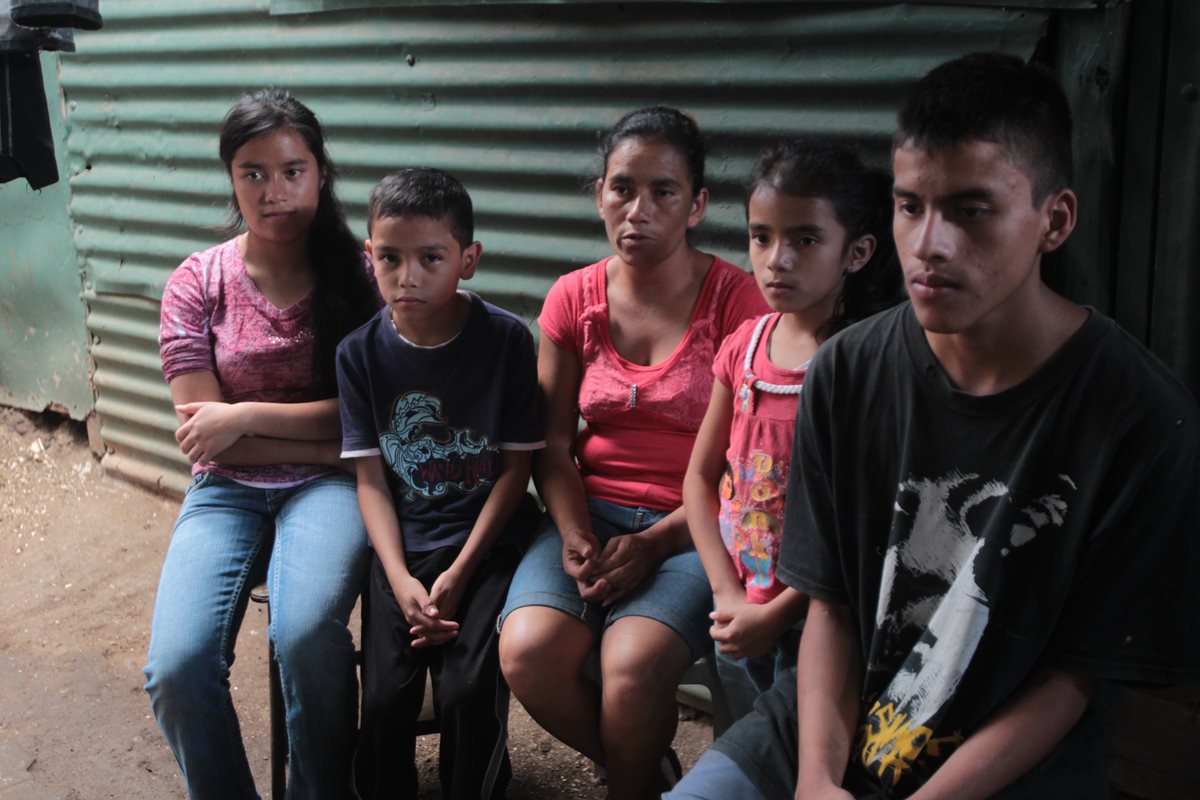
pixel 43 339
pixel 315 6
pixel 510 99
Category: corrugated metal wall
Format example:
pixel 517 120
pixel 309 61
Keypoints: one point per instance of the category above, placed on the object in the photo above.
pixel 508 98
pixel 43 342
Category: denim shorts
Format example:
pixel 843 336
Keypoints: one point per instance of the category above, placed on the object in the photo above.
pixel 677 594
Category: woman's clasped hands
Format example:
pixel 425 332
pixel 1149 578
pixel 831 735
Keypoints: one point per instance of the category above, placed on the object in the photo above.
pixel 606 574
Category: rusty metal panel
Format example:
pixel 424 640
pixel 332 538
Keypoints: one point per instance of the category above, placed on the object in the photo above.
pixel 43 339
pixel 509 98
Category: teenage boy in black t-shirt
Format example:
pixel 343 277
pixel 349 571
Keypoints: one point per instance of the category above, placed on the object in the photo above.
pixel 990 507
pixel 439 408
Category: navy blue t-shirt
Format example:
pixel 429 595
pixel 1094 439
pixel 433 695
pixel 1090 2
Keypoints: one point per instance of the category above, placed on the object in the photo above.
pixel 439 416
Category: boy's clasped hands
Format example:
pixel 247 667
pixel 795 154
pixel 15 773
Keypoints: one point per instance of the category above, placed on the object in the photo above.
pixel 431 613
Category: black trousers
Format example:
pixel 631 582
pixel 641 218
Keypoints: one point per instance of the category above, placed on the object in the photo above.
pixel 470 695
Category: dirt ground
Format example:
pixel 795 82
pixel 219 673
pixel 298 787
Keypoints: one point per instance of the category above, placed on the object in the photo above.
pixel 82 552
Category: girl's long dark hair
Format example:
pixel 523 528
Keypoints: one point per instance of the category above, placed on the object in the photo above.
pixel 861 197
pixel 342 296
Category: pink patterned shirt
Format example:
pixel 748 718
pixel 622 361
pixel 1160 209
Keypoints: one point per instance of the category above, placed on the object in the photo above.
pixel 642 421
pixel 759 455
pixel 214 319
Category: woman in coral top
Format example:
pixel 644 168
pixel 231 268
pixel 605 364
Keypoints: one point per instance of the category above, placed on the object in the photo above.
pixel 628 343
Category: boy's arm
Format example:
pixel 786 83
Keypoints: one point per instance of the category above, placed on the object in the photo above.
pixel 447 590
pixel 383 528
pixel 828 684
pixel 1014 741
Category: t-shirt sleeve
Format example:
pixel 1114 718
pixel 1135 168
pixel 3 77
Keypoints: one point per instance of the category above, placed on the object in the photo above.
pixel 1133 614
pixel 184 337
pixel 359 437
pixel 522 426
pixel 561 311
pixel 742 301
pixel 728 365
pixel 809 555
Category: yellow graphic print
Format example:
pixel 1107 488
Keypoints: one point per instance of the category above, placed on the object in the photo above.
pixel 890 744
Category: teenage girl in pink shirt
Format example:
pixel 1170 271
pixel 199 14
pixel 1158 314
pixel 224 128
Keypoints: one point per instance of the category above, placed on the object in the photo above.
pixel 627 343
pixel 821 248
pixel 249 329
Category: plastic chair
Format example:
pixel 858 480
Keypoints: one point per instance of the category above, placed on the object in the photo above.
pixel 700 688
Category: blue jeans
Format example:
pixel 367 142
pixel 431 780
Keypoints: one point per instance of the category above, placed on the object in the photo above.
pixel 744 679
pixel 310 543
pixel 714 777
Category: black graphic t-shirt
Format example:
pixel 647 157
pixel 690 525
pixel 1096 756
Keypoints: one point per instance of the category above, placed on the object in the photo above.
pixel 980 539
pixel 439 416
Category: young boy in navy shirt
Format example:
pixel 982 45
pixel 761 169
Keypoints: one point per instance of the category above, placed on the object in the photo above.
pixel 440 412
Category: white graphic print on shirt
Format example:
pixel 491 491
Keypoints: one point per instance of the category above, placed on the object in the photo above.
pixel 930 584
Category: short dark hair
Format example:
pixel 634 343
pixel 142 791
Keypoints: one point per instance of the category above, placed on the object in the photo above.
pixel 424 192
pixel 992 97
pixel 659 124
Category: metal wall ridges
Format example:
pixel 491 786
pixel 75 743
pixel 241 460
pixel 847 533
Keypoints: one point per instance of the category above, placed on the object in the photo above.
pixel 508 98
pixel 43 338
pixel 309 6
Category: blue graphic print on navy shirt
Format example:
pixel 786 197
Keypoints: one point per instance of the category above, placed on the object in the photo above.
pixel 440 416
